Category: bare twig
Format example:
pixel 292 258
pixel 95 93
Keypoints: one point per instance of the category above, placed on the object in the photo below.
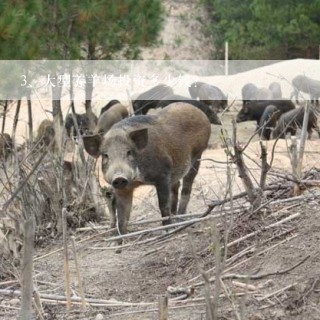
pixel 260 276
pixel 83 300
pixel 275 293
pixel 66 258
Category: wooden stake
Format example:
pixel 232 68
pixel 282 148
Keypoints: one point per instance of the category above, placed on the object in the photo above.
pixel 83 300
pixel 163 308
pixel 66 258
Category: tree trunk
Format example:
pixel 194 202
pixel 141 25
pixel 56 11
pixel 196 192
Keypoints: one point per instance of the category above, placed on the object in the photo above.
pixel 73 109
pixel 56 104
pixel 57 116
pixel 27 268
pixel 16 119
pixel 30 120
pixel 89 87
pixel 4 116
pixel 89 90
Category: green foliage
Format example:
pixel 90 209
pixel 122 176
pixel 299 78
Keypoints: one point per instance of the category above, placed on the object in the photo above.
pixel 266 29
pixel 69 29
pixel 17 21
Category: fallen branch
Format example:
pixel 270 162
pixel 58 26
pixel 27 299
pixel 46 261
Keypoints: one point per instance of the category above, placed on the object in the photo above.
pixel 260 276
pixel 273 225
pixel 277 292
pixel 245 286
pixel 248 259
pixel 63 299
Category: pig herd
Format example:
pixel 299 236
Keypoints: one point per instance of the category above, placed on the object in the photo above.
pixel 163 147
pixel 275 115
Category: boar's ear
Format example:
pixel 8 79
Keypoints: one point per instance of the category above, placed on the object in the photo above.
pixel 92 145
pixel 139 137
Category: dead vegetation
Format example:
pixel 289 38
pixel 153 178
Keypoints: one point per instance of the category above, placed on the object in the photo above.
pixel 244 257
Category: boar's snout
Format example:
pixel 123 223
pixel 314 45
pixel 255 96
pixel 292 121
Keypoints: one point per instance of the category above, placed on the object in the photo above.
pixel 119 182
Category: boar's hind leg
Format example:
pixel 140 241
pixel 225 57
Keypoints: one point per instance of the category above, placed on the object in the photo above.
pixel 187 185
pixel 164 197
pixel 123 208
pixel 174 197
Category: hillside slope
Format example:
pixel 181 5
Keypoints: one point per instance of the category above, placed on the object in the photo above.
pixel 182 36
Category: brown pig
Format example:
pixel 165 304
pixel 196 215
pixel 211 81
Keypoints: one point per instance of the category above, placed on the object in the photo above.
pixel 154 150
pixel 6 145
pixel 108 118
pixel 45 133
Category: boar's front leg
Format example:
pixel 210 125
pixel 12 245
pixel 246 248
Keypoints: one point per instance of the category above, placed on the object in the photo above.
pixel 123 208
pixel 174 197
pixel 187 185
pixel 164 199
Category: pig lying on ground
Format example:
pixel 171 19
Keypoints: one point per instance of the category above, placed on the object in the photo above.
pixel 154 150
pixel 108 118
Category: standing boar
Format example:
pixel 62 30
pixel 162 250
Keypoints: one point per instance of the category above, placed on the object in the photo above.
pixel 253 110
pixel 46 133
pixel 268 121
pixel 6 146
pixel 263 94
pixel 248 92
pixel 108 118
pixel 108 106
pixel 275 88
pixel 149 99
pixel 152 150
pixel 82 122
pixel 307 85
pixel 290 121
pixel 209 95
pixel 212 115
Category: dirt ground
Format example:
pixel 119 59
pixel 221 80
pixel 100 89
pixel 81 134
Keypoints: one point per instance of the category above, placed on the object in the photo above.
pixel 269 269
pixel 267 247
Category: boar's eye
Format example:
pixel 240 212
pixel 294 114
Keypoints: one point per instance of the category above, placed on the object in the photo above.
pixel 129 153
pixel 105 156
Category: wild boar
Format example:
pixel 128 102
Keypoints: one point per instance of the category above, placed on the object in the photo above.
pixel 253 110
pixel 6 146
pixel 82 122
pixel 263 94
pixel 290 121
pixel 212 115
pixel 45 133
pixel 152 150
pixel 108 106
pixel 275 88
pixel 248 92
pixel 307 85
pixel 209 95
pixel 268 121
pixel 149 99
pixel 108 118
